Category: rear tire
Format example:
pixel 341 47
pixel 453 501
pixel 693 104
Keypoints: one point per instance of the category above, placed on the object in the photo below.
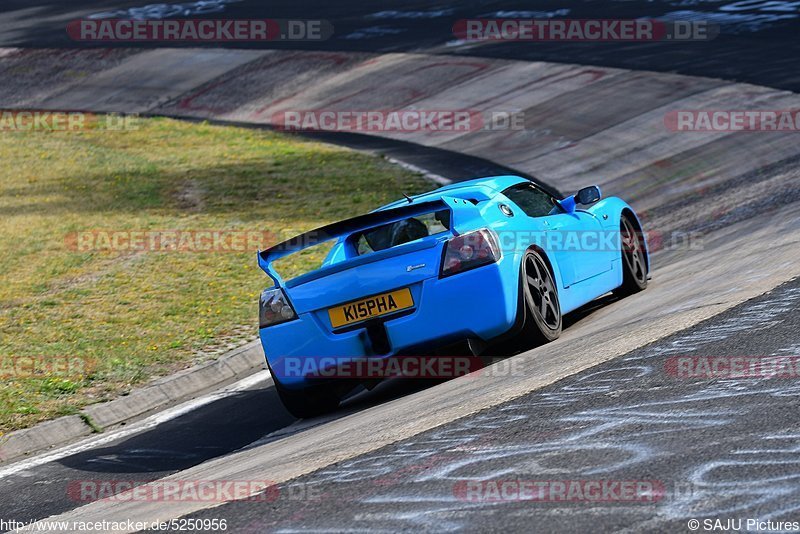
pixel 634 262
pixel 307 402
pixel 543 319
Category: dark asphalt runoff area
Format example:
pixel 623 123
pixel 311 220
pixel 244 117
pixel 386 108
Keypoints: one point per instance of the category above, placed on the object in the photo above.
pixel 718 449
pixel 167 448
pixel 210 431
pixel 758 42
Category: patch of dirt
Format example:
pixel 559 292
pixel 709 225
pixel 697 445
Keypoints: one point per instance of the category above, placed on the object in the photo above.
pixel 190 196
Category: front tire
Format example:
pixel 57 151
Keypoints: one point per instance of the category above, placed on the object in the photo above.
pixel 634 262
pixel 543 319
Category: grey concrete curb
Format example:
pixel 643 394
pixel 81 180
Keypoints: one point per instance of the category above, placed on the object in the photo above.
pixel 162 393
pixel 43 436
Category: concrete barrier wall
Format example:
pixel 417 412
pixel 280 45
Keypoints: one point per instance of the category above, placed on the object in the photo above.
pixel 582 124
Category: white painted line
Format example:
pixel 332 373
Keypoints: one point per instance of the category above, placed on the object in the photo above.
pixel 439 179
pixel 154 420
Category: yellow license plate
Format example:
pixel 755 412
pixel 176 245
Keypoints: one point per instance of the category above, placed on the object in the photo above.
pixel 360 310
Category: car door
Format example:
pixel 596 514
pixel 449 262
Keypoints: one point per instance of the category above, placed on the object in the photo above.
pixel 570 238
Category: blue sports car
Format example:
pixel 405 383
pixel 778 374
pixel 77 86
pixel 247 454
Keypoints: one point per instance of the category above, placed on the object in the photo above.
pixel 472 263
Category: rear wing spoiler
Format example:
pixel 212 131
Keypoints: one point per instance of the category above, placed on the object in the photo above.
pixel 463 215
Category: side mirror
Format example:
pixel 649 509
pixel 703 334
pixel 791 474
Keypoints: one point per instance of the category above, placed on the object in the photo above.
pixel 588 195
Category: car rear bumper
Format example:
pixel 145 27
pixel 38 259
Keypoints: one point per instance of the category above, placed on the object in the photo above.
pixel 481 303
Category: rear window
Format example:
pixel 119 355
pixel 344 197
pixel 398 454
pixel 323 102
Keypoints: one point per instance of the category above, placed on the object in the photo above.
pixel 400 232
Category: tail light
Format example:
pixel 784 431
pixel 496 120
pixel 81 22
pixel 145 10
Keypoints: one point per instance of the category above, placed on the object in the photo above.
pixel 274 308
pixel 469 251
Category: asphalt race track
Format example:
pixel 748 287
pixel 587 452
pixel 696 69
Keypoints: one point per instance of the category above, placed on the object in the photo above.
pixel 758 45
pixel 734 443
pixel 179 443
pixel 720 448
pixel 603 402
